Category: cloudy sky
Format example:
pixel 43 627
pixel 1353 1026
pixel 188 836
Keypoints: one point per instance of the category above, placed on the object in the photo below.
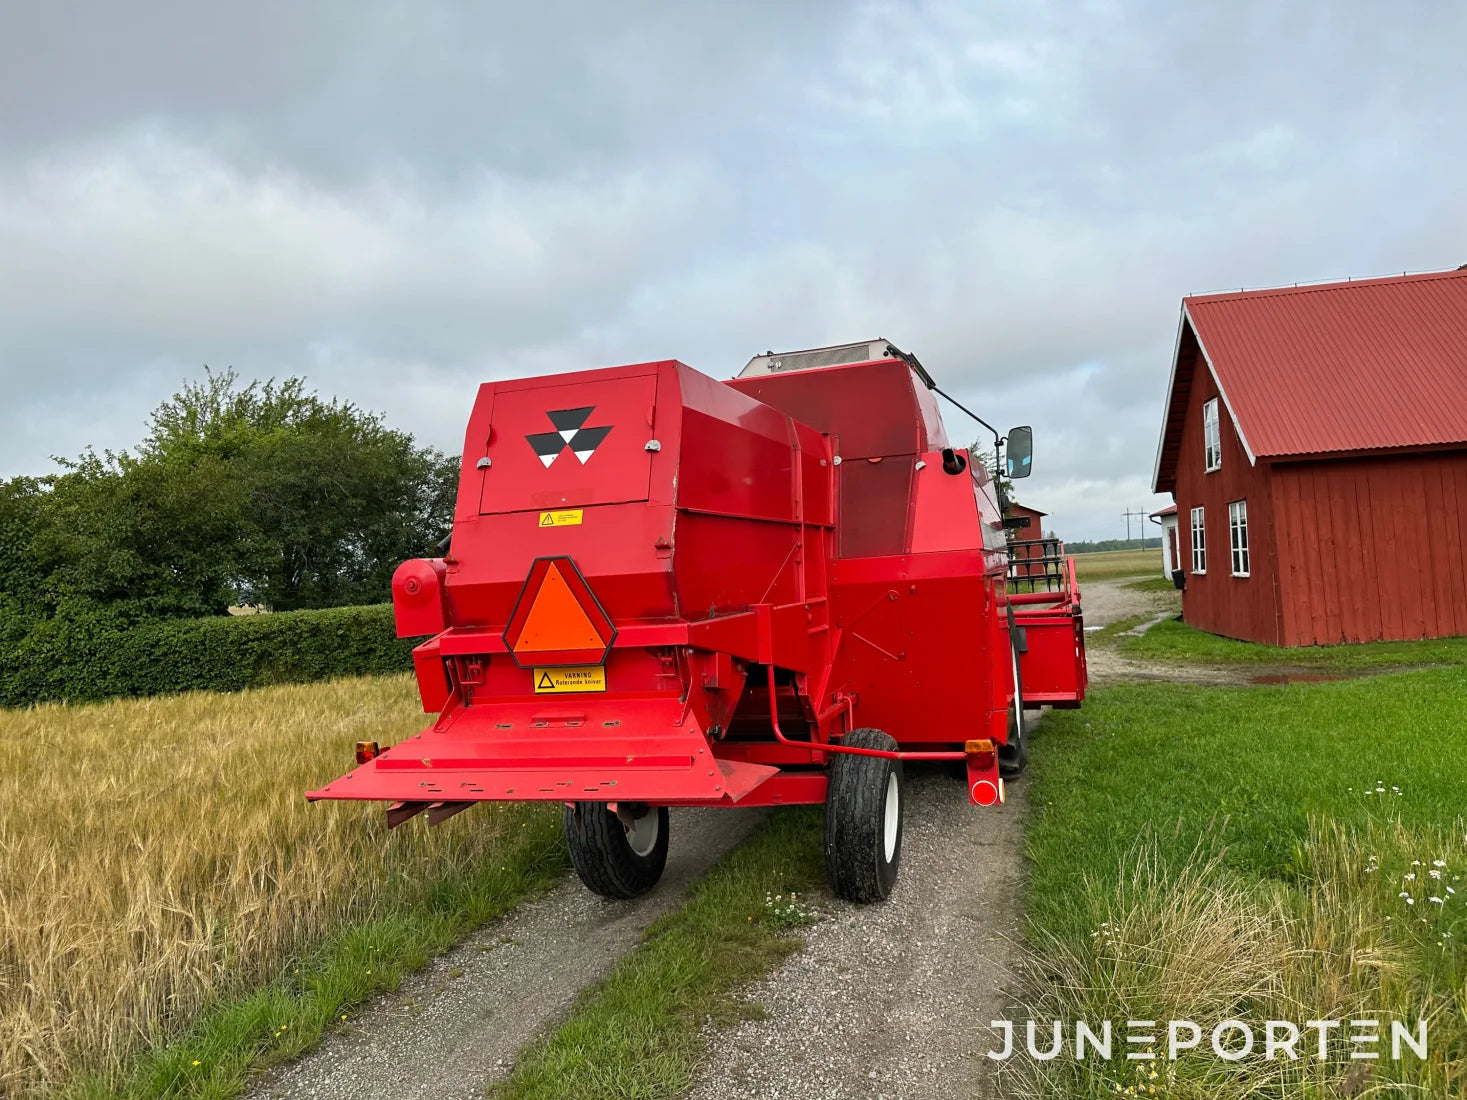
pixel 401 199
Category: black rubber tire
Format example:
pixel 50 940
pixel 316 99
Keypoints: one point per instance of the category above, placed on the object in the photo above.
pixel 1013 757
pixel 603 856
pixel 856 861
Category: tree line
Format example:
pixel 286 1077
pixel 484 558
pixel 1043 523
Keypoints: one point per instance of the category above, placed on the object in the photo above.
pixel 260 494
pixel 1098 546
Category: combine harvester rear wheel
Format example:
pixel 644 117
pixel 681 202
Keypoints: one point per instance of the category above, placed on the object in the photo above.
pixel 664 590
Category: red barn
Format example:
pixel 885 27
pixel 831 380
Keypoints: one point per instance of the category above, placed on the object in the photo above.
pixel 1034 529
pixel 1315 442
pixel 1026 541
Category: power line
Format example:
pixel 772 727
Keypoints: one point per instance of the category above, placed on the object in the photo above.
pixel 1128 514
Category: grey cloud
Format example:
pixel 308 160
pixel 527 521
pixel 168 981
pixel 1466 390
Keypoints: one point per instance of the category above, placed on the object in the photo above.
pixel 402 200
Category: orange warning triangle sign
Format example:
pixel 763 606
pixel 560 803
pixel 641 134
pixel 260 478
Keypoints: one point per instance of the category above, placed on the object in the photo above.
pixel 557 621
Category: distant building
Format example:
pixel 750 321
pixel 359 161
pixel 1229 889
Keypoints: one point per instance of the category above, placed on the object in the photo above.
pixel 1315 443
pixel 1035 528
pixel 1171 556
pixel 1026 547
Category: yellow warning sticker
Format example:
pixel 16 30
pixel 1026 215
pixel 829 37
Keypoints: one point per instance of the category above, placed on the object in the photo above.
pixel 569 518
pixel 553 681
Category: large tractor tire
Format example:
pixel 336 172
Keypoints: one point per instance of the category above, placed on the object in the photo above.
pixel 863 819
pixel 617 855
pixel 1013 757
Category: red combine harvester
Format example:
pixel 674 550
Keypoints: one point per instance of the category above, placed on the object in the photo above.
pixel 665 590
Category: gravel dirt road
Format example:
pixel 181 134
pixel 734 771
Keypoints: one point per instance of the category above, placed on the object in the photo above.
pixel 1107 602
pixel 894 1000
pixel 457 1025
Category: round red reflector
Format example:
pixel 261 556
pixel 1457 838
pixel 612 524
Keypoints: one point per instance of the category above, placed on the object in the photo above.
pixel 985 793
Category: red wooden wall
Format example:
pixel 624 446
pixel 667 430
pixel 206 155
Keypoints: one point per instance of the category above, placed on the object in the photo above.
pixel 1376 548
pixel 1218 602
pixel 1035 530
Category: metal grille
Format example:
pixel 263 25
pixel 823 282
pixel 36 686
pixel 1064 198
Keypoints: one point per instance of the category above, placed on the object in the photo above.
pixel 1036 564
pixel 785 361
pixel 824 357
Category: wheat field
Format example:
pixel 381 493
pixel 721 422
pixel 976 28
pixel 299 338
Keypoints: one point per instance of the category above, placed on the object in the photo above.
pixel 156 854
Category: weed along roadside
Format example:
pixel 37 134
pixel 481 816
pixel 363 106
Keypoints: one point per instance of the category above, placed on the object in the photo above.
pixel 1252 854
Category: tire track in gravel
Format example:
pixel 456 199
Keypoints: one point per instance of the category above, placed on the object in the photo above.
pixel 459 1023
pixel 894 999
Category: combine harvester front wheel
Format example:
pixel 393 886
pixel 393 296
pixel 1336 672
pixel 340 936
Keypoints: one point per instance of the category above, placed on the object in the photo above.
pixel 863 819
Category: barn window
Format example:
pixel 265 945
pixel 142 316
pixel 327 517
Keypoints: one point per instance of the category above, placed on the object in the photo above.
pixel 1211 435
pixel 1238 532
pixel 1199 542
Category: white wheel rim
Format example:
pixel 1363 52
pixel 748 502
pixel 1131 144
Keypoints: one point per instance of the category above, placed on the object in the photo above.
pixel 891 816
pixel 642 832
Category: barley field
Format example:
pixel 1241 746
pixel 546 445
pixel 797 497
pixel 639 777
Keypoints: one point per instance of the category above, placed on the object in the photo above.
pixel 157 854
pixel 1109 564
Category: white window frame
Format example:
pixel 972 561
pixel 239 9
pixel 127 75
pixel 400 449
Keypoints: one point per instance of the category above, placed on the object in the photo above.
pixel 1238 537
pixel 1199 540
pixel 1211 437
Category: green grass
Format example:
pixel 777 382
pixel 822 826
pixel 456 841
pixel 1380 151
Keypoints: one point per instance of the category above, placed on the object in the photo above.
pixel 1110 564
pixel 1177 643
pixel 317 993
pixel 1143 757
pixel 1154 584
pixel 1206 852
pixel 639 1034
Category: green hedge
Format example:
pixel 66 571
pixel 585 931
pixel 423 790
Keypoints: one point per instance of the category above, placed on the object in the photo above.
pixel 92 657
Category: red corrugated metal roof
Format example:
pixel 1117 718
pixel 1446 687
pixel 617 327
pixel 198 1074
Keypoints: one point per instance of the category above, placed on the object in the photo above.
pixel 1169 510
pixel 1378 363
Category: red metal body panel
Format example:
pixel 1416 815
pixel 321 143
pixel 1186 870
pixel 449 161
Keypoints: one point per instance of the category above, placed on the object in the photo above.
pixel 1052 663
pixel 753 629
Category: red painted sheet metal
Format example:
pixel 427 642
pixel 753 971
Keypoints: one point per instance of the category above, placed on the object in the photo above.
pixel 573 748
pixel 1356 366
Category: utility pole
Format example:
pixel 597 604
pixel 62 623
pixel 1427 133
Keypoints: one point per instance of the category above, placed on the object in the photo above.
pixel 1128 514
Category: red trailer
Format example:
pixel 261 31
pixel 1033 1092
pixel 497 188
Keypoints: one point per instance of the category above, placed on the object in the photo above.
pixel 665 590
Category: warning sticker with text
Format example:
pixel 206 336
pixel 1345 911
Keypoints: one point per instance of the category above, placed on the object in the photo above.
pixel 550 681
pixel 568 518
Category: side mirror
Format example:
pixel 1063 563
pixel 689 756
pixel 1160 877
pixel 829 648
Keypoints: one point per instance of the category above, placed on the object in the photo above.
pixel 1019 452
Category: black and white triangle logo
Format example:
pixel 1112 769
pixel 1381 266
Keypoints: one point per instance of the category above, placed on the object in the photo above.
pixel 568 435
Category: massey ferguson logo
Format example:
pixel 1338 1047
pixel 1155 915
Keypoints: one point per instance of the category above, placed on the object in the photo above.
pixel 568 435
